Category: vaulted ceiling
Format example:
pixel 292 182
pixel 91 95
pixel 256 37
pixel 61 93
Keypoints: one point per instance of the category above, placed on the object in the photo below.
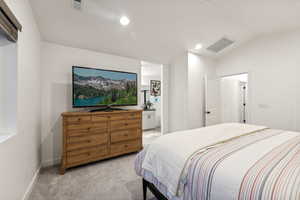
pixel 161 29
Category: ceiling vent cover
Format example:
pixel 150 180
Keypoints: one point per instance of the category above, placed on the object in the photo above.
pixel 77 4
pixel 220 45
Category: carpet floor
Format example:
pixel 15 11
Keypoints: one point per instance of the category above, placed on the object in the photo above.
pixel 113 179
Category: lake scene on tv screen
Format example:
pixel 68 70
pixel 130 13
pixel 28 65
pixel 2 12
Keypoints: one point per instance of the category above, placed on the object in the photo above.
pixel 94 87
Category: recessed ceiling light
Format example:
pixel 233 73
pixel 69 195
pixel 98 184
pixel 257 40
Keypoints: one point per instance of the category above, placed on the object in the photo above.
pixel 124 21
pixel 198 46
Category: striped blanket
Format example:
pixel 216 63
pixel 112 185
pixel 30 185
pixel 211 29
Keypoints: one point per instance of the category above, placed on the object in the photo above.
pixel 263 165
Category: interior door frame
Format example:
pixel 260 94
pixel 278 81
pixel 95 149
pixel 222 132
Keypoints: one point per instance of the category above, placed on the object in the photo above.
pixel 249 93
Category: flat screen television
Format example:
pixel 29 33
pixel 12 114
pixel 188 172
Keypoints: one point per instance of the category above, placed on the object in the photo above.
pixel 103 88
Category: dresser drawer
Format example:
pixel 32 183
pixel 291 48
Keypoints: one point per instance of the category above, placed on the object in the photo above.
pixel 78 129
pixel 134 123
pixel 125 147
pixel 81 155
pixel 125 135
pixel 77 142
pixel 117 117
pixel 88 131
pixel 77 133
pixel 118 125
pixel 88 151
pixel 134 116
pixel 99 118
pixel 85 126
pixel 78 119
pixel 125 124
pixel 99 127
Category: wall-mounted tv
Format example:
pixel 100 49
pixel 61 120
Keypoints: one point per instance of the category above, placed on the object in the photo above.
pixel 101 88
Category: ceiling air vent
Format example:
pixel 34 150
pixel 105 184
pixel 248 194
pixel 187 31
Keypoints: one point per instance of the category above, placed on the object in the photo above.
pixel 220 45
pixel 77 4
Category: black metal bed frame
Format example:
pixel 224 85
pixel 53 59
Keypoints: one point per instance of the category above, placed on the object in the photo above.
pixel 153 189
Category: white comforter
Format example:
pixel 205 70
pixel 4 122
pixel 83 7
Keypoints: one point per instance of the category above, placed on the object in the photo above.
pixel 167 156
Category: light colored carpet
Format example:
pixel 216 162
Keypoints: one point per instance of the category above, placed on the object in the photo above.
pixel 112 179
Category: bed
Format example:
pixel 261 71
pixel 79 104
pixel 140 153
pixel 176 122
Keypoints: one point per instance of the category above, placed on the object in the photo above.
pixel 226 161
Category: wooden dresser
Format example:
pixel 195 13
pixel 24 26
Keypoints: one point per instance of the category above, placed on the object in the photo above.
pixel 89 137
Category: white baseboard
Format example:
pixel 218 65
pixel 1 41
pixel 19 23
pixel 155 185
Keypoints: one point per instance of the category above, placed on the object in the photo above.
pixel 49 163
pixel 30 187
pixel 32 184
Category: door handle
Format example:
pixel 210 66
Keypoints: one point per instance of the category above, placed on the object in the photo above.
pixel 207 112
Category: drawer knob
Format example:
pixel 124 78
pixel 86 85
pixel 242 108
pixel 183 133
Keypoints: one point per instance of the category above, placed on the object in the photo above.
pixel 125 145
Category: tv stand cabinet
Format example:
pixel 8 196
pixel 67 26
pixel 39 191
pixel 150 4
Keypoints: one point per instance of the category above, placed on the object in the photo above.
pixel 94 136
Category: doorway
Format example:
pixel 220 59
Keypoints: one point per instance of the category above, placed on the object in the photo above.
pixel 227 100
pixel 151 97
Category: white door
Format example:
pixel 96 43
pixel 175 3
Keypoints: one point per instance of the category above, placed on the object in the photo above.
pixel 212 102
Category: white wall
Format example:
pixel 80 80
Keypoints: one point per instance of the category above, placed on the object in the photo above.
pixel 273 64
pixel 178 93
pixel 57 62
pixel 20 157
pixel 198 68
pixel 150 71
pixel 186 97
pixel 147 78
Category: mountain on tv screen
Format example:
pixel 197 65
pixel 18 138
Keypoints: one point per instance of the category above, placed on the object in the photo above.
pixel 98 87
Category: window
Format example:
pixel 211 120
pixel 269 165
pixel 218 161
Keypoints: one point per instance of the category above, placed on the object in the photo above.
pixel 8 89
pixel 9 27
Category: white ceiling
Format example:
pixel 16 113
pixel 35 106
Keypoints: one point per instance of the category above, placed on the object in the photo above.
pixel 161 29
